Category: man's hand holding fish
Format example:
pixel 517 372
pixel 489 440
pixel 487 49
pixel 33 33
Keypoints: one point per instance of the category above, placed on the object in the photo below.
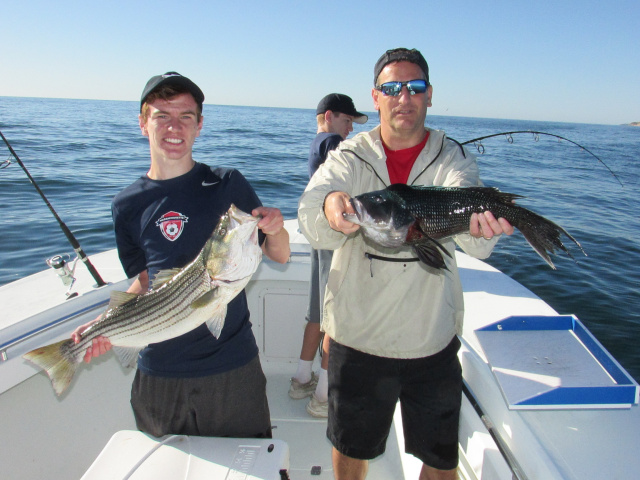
pixel 336 205
pixel 485 225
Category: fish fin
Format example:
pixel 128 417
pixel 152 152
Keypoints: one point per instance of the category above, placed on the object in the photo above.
pixel 400 187
pixel 205 299
pixel 429 252
pixel 427 248
pixel 216 323
pixel 59 365
pixel 120 298
pixel 163 276
pixel 493 192
pixel 128 356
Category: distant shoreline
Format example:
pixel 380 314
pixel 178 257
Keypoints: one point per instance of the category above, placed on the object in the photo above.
pixel 635 124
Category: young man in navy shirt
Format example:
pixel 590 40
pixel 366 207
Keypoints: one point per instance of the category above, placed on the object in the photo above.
pixel 194 384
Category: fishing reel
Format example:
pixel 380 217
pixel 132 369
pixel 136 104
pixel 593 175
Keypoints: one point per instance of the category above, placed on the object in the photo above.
pixel 64 271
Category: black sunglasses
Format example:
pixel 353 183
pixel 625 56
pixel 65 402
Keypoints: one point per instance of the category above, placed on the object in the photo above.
pixel 393 89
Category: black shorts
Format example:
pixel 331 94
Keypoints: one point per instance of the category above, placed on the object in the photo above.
pixel 229 404
pixel 364 390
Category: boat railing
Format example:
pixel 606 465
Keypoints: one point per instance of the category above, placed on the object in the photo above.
pixel 40 327
pixel 508 456
pixel 23 337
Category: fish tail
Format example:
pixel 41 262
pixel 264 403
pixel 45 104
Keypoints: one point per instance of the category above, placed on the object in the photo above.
pixel 543 235
pixel 57 361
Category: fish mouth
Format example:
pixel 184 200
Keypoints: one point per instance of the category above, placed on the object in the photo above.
pixel 357 216
pixel 238 217
pixel 244 220
pixel 241 249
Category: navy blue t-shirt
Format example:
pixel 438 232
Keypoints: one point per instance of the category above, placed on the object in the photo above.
pixel 320 147
pixel 162 224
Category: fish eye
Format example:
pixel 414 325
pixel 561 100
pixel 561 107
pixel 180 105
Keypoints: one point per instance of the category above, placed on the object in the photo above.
pixel 223 231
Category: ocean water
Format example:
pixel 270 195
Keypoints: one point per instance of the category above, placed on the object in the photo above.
pixel 81 153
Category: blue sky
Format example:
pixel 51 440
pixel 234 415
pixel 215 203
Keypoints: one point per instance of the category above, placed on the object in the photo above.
pixel 568 61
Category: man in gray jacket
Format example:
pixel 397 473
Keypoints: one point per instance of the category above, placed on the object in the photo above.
pixel 393 324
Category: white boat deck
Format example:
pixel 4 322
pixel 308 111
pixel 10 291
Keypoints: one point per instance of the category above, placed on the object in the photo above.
pixel 43 436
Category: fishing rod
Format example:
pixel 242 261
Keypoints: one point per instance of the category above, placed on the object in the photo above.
pixel 536 135
pixel 72 239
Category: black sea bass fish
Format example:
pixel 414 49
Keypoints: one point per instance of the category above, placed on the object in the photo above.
pixel 420 216
pixel 180 300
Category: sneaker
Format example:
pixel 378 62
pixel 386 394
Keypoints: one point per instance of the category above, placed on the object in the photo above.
pixel 316 408
pixel 303 390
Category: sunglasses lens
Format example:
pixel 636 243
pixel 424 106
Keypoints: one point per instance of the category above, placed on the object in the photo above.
pixel 391 88
pixel 417 86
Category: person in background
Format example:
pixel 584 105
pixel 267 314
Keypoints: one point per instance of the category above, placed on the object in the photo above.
pixel 391 319
pixel 335 116
pixel 194 384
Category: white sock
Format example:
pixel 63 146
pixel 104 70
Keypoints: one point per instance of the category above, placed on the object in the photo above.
pixel 303 375
pixel 322 390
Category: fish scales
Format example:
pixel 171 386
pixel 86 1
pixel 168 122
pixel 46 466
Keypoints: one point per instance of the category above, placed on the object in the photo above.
pixel 153 305
pixel 446 211
pixel 421 216
pixel 180 300
pixel 183 289
pixel 181 292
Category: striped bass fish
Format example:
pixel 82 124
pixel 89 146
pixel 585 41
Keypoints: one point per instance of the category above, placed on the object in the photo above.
pixel 180 300
pixel 420 216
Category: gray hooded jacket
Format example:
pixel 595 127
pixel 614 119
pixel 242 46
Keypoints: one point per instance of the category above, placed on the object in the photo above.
pixel 389 309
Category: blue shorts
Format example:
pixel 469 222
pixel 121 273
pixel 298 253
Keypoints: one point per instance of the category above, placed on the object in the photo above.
pixel 364 390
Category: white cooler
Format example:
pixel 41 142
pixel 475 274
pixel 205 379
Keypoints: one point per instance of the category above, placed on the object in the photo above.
pixel 136 456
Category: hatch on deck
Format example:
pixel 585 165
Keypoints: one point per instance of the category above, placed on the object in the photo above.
pixel 554 362
pixel 132 454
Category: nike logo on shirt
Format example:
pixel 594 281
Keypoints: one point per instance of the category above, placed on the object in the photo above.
pixel 205 184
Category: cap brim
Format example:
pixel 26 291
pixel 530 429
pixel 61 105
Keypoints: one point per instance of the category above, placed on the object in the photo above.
pixel 361 118
pixel 172 78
